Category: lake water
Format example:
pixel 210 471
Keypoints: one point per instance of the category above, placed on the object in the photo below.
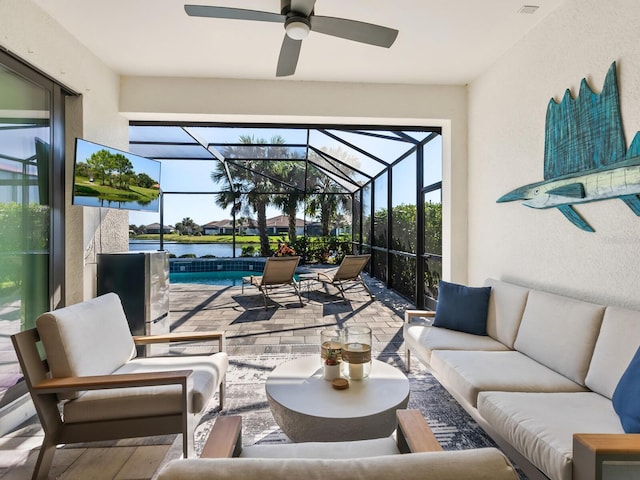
pixel 198 249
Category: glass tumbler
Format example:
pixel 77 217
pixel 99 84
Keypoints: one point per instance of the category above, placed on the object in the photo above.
pixel 330 346
pixel 356 353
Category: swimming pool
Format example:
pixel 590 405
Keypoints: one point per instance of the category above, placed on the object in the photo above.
pixel 227 278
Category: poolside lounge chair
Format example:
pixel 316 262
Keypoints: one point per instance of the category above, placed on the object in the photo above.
pixel 278 272
pixel 350 270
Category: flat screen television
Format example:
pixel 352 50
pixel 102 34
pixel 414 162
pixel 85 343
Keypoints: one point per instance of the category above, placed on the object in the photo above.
pixel 110 178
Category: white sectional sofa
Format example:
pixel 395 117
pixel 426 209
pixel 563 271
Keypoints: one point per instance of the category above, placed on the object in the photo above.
pixel 546 370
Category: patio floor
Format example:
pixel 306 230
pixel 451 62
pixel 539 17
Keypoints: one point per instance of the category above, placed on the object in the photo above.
pixel 284 327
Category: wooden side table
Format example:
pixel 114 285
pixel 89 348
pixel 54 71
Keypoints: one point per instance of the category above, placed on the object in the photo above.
pixel 606 456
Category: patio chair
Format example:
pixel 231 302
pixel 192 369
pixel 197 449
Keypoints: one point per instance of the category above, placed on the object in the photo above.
pixel 90 387
pixel 278 272
pixel 350 270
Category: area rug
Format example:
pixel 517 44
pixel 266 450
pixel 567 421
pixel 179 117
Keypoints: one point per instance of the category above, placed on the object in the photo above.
pixel 454 428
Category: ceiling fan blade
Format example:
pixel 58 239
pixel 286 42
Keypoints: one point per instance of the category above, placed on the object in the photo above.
pixel 303 6
pixel 288 59
pixel 354 30
pixel 233 13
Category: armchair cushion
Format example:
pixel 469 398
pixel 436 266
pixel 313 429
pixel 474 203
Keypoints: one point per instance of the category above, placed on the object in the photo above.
pixel 88 338
pixel 151 401
pixel 462 308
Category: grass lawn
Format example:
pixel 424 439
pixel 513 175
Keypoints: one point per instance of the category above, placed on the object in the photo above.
pixel 87 188
pixel 173 237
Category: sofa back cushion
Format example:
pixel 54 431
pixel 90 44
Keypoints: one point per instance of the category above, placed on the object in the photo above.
pixel 88 338
pixel 560 333
pixel 617 343
pixel 506 305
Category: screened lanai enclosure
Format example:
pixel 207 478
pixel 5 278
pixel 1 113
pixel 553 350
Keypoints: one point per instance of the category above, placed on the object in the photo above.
pixel 349 189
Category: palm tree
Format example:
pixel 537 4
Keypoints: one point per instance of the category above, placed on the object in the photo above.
pixel 251 186
pixel 188 226
pixel 329 200
pixel 329 203
pixel 289 203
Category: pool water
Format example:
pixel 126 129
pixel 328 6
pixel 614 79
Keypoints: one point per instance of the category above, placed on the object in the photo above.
pixel 228 278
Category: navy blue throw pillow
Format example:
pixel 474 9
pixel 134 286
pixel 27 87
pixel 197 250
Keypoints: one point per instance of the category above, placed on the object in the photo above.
pixel 626 395
pixel 462 308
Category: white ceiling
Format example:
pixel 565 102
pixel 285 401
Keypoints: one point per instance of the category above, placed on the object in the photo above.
pixel 440 41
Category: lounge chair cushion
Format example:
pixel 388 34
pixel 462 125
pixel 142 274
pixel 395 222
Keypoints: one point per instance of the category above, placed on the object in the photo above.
pixel 151 401
pixel 88 338
pixel 462 308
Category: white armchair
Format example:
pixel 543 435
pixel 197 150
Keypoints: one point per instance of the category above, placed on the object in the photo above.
pixel 376 459
pixel 91 386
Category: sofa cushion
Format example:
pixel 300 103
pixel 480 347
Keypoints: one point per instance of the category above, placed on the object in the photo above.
pixel 541 425
pixel 626 395
pixel 485 463
pixel 462 308
pixel 617 342
pixel 208 370
pixel 506 305
pixel 422 340
pixel 88 338
pixel 469 373
pixel 560 333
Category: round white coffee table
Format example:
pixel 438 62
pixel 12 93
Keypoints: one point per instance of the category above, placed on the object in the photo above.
pixel 308 409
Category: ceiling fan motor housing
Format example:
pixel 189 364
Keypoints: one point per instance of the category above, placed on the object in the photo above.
pixel 297 27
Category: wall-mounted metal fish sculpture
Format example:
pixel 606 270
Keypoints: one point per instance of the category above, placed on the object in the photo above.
pixel 585 158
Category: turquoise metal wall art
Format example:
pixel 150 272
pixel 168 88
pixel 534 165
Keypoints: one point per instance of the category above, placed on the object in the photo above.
pixel 585 155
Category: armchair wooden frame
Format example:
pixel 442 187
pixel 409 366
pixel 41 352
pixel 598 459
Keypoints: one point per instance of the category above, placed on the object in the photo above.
pixel 44 392
pixel 412 435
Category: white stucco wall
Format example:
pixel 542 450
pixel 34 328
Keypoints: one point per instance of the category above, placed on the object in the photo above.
pixel 507 107
pixel 30 34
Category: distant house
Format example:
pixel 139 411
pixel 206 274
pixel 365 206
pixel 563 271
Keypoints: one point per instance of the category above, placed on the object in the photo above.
pixel 218 227
pixel 314 229
pixel 280 225
pixel 225 227
pixel 155 228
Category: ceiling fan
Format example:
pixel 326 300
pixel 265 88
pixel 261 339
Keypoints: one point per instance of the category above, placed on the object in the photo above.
pixel 299 19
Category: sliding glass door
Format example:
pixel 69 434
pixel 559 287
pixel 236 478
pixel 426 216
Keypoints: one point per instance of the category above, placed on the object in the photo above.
pixel 27 220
